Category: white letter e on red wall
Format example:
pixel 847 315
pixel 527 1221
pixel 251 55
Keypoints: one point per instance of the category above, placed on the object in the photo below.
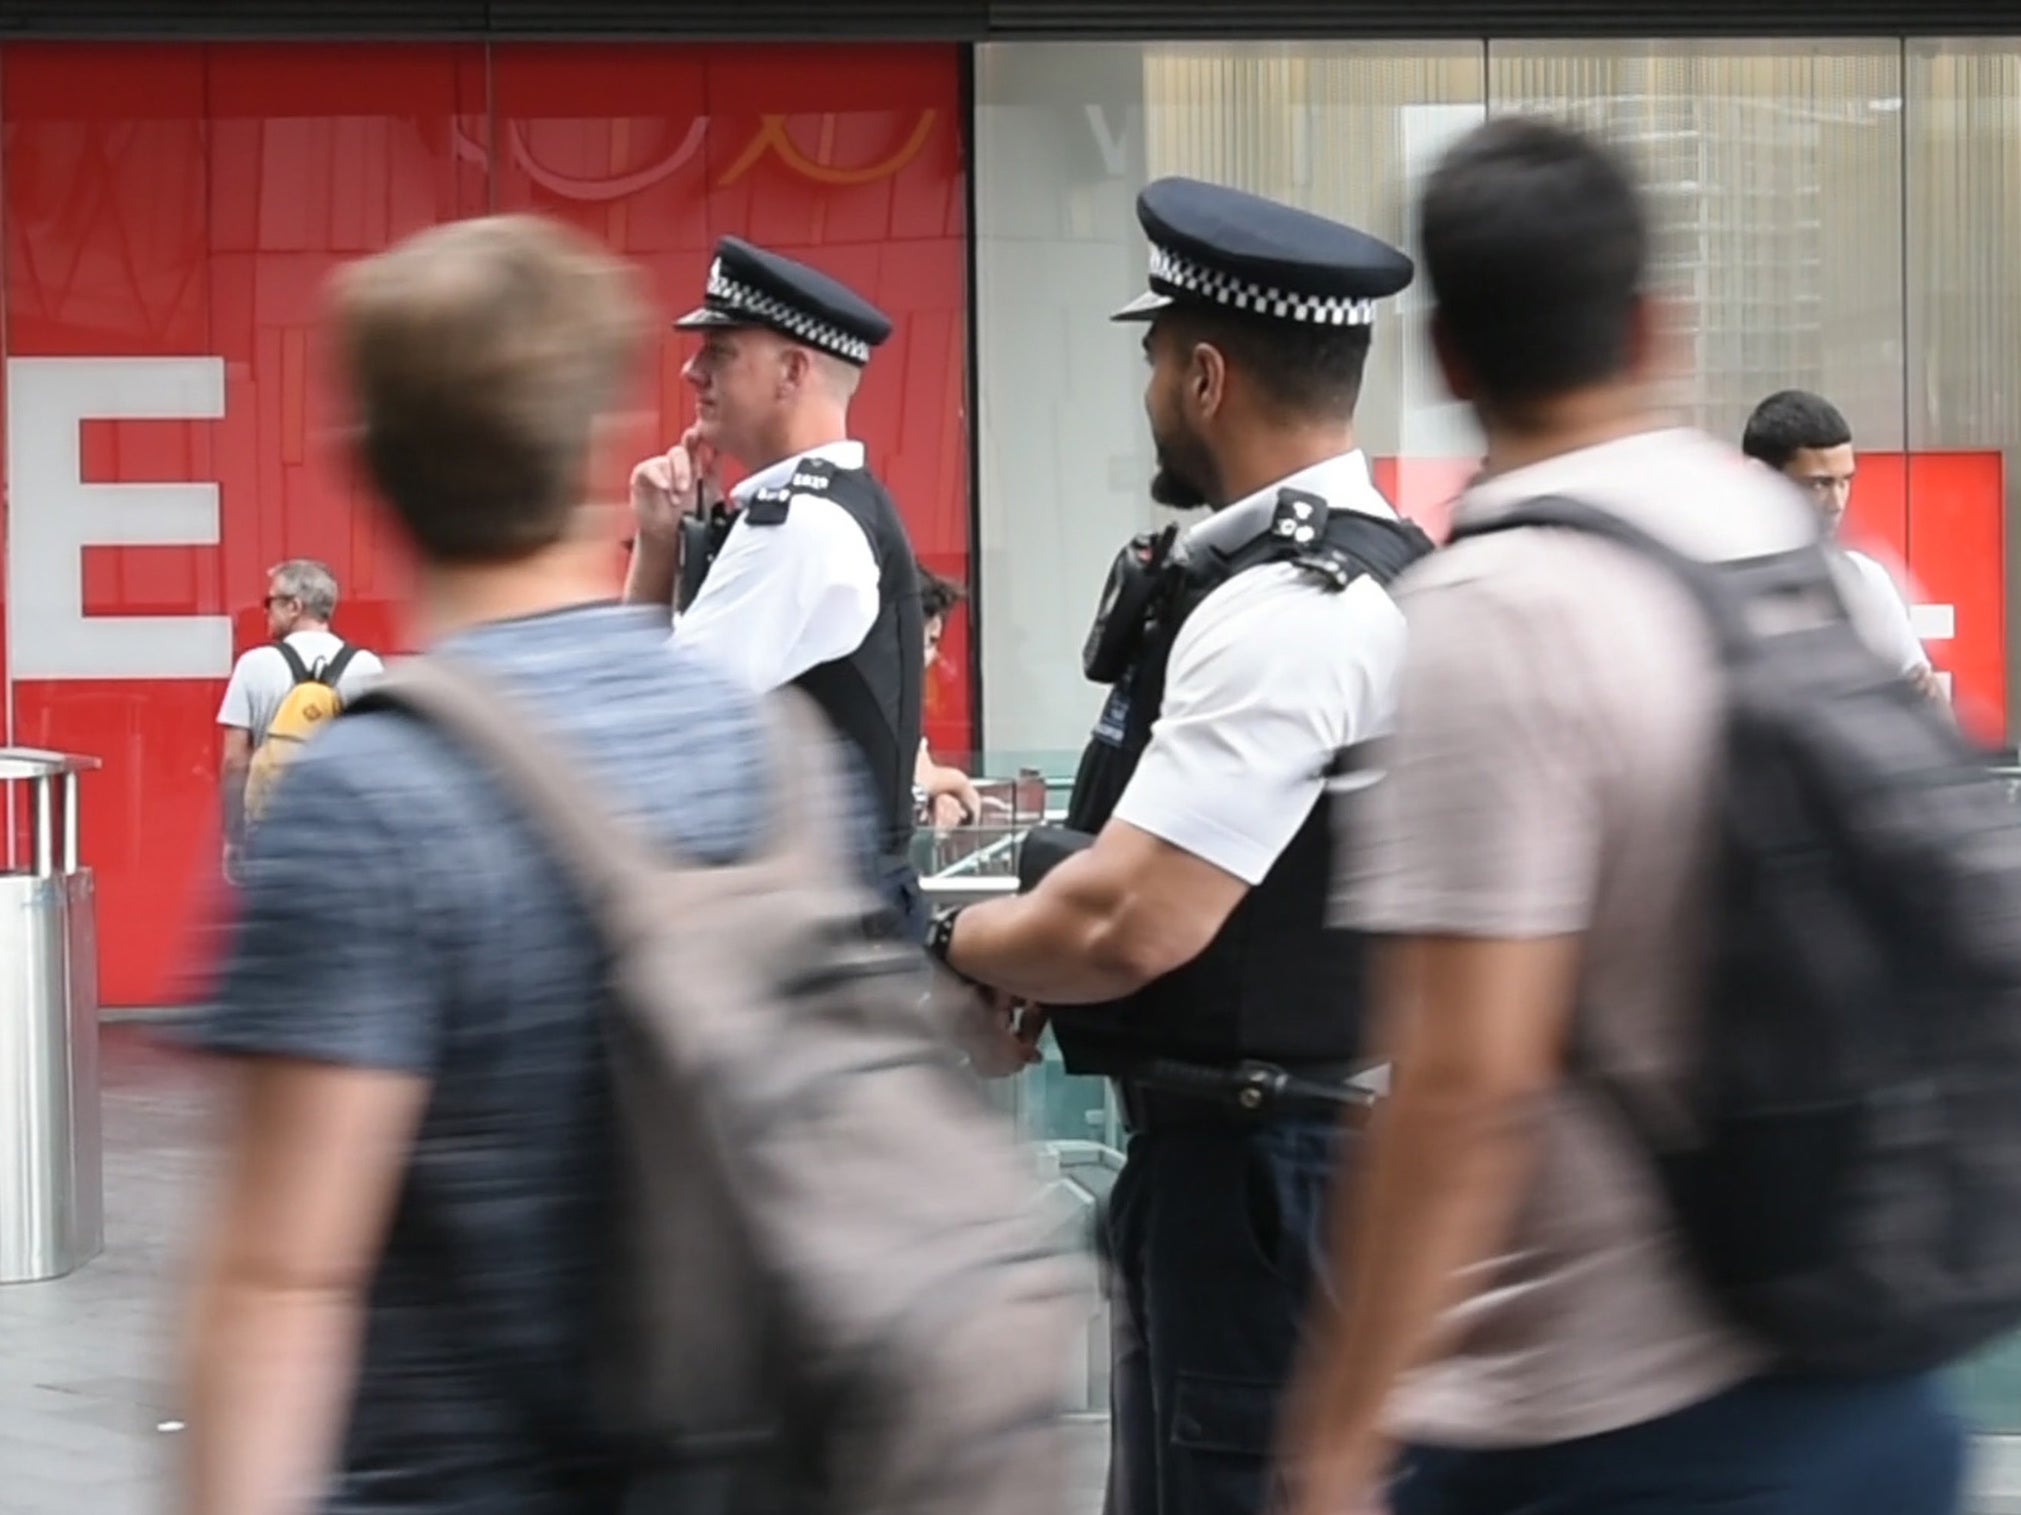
pixel 53 515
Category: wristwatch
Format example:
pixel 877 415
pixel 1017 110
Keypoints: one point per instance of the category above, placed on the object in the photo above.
pixel 940 941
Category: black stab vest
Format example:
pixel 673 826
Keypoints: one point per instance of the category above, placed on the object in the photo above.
pixel 1277 984
pixel 872 696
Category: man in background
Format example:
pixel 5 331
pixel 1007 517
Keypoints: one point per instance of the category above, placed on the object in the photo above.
pixel 951 796
pixel 301 603
pixel 1804 437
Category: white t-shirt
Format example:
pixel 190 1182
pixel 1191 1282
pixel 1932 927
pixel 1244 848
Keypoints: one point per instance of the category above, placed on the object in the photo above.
pixel 782 599
pixel 1875 603
pixel 1271 675
pixel 262 679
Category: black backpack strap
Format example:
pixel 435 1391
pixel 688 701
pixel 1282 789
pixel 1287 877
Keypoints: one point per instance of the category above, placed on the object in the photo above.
pixel 296 667
pixel 333 670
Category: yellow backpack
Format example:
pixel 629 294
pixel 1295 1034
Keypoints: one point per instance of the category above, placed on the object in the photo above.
pixel 311 704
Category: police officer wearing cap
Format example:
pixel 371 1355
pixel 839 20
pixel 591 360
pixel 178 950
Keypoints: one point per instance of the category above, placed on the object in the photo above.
pixel 1176 928
pixel 805 575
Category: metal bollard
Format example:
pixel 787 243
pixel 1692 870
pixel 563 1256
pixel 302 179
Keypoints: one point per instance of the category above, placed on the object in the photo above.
pixel 52 1205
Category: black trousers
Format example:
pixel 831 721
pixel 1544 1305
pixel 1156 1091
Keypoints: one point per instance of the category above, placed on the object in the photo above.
pixel 1216 1236
pixel 1776 1446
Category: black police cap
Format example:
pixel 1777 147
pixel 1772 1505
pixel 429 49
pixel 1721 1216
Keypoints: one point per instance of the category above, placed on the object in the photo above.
pixel 1211 245
pixel 749 286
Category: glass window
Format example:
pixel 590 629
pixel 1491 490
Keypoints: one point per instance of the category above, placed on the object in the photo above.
pixel 1065 135
pixel 1774 172
pixel 1962 114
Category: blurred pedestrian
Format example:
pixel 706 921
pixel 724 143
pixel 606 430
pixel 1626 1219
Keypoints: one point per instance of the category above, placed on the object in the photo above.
pixel 419 1173
pixel 1544 861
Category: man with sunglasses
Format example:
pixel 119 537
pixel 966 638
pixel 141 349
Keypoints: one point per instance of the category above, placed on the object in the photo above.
pixel 301 602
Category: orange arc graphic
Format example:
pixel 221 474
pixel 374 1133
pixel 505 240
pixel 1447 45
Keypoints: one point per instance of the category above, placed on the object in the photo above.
pixel 772 133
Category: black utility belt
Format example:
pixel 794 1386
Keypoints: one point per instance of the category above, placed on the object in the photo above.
pixel 1164 1093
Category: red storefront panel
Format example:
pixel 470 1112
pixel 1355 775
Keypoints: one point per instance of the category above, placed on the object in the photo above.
pixel 170 214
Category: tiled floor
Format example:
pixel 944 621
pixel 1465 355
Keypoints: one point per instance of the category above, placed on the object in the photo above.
pixel 87 1415
pixel 87 1420
pixel 87 1359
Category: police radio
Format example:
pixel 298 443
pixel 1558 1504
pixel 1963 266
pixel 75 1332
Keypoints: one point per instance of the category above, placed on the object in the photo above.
pixel 702 532
pixel 1118 632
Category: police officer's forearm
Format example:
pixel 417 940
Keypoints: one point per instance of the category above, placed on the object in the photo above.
pixel 1046 949
pixel 654 570
pixel 1087 934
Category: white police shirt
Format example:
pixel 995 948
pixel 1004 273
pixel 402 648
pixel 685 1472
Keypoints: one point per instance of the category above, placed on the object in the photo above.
pixel 782 599
pixel 1271 675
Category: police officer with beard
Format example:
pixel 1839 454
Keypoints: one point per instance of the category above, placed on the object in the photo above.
pixel 1178 933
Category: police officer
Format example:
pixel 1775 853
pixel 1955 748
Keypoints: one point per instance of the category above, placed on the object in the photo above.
pixel 805 576
pixel 1189 928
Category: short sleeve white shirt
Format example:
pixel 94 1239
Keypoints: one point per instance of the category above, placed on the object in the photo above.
pixel 261 680
pixel 1877 608
pixel 1272 674
pixel 782 599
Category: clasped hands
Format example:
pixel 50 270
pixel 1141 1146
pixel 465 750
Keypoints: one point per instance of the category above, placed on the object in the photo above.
pixel 1000 1034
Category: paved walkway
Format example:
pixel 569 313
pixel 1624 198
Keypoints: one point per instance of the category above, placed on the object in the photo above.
pixel 87 1415
pixel 85 1412
pixel 87 1420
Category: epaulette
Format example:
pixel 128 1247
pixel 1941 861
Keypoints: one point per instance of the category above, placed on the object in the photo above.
pixel 1334 568
pixel 1299 516
pixel 812 474
pixel 769 506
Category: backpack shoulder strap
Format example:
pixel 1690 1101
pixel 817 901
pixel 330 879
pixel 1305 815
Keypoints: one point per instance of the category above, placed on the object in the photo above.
pixel 298 669
pixel 332 672
pixel 1723 590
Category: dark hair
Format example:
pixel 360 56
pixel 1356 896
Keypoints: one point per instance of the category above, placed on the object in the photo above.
pixel 478 357
pixel 937 596
pixel 1307 370
pixel 1790 421
pixel 1536 244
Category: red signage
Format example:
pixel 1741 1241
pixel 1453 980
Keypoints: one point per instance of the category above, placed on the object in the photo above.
pixel 170 215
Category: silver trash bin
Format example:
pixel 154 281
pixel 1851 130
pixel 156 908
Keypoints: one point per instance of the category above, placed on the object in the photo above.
pixel 52 1206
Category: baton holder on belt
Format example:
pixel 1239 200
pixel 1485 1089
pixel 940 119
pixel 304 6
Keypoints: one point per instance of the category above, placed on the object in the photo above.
pixel 1256 1089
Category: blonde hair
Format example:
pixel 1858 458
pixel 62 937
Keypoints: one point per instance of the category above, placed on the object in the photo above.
pixel 478 357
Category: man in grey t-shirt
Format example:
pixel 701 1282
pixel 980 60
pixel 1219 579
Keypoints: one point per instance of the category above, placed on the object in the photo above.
pixel 1519 1315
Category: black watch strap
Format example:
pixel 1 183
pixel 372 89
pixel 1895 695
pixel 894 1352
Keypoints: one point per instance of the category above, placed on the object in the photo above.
pixel 940 940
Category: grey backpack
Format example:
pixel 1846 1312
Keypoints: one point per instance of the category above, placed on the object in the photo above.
pixel 831 1291
pixel 1852 1190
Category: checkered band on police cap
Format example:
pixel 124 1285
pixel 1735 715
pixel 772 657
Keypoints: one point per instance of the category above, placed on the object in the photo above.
pixel 1181 274
pixel 733 297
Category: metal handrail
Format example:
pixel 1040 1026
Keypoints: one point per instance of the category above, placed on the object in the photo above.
pixel 19 763
pixel 965 889
pixel 44 770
